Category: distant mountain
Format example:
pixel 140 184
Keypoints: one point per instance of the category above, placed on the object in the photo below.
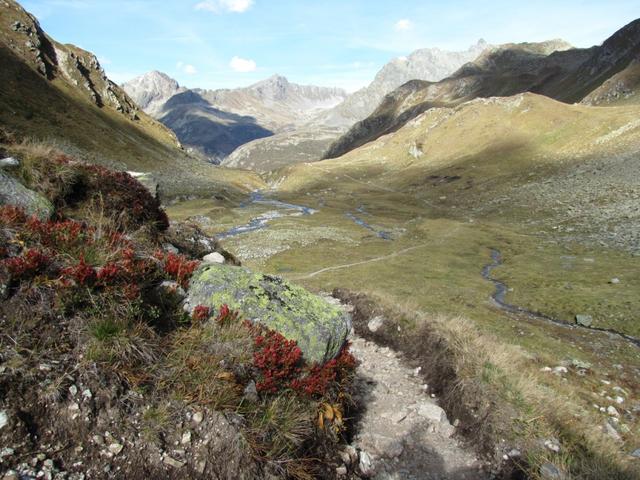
pixel 151 90
pixel 216 122
pixel 430 64
pixel 552 68
pixel 57 92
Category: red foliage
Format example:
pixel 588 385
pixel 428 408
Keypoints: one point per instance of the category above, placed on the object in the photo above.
pixel 201 313
pixel 108 274
pixel 29 263
pixel 82 273
pixel 225 315
pixel 278 360
pixel 320 377
pixel 179 267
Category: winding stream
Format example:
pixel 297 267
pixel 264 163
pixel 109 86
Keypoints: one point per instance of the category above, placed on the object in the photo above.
pixel 500 293
pixel 261 221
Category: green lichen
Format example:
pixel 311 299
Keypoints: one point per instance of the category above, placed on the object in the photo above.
pixel 320 329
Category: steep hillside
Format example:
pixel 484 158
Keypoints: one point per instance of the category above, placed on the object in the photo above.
pixel 152 90
pixel 493 154
pixel 216 122
pixel 549 68
pixel 430 64
pixel 277 151
pixel 61 93
pixel 621 89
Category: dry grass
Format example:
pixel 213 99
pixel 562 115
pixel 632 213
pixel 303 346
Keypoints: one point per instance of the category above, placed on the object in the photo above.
pixel 498 393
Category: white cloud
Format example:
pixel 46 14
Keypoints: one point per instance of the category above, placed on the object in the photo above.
pixel 186 68
pixel 404 24
pixel 242 64
pixel 221 6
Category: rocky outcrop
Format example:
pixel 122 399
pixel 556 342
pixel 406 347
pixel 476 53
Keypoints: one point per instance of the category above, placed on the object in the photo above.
pixel 152 90
pixel 431 64
pixel 13 192
pixel 320 329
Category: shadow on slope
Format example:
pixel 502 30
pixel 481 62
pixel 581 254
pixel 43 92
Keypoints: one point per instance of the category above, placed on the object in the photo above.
pixel 213 132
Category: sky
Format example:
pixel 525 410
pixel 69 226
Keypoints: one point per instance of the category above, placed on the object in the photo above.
pixel 343 43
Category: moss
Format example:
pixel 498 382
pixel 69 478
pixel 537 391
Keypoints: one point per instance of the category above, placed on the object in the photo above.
pixel 319 328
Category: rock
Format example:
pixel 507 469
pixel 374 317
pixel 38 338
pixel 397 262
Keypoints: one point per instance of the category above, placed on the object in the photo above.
pixel 168 247
pixel 611 410
pixel 116 448
pixel 584 320
pixel 251 392
pixel 635 453
pixel 341 471
pixel 186 438
pixel 580 364
pixel 366 464
pixel 375 324
pixel 73 390
pixel 214 257
pixel 432 412
pixel 172 462
pixel 11 475
pixel 13 192
pixel 171 291
pixel 548 471
pixel 552 445
pixel 198 417
pixel 86 394
pixel 4 419
pixel 611 432
pixel 9 162
pixel 614 281
pixel 560 370
pixel 320 329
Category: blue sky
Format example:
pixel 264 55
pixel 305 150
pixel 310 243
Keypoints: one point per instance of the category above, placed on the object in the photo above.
pixel 232 43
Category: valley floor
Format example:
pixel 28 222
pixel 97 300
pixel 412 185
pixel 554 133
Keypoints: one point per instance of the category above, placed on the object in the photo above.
pixel 408 253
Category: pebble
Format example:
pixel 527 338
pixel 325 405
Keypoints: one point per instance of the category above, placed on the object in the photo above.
pixel 552 445
pixel 366 464
pixel 548 471
pixel 172 462
pixel 636 453
pixel 198 417
pixel 4 418
pixel 614 281
pixel 341 471
pixel 611 432
pixel 214 257
pixel 186 438
pixel 560 370
pixel 375 324
pixel 87 394
pixel 116 448
pixel 611 410
pixel 73 390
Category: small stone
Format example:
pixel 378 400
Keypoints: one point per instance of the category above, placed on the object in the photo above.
pixel 584 320
pixel 74 407
pixel 431 412
pixel 417 371
pixel 546 369
pixel 366 464
pixel 375 324
pixel 172 462
pixel 4 419
pixel 198 417
pixel 168 247
pixel 552 445
pixel 548 471
pixel 186 438
pixel 251 392
pixel 611 410
pixel 11 475
pixel 201 466
pixel 614 281
pixel 619 399
pixel 513 453
pixel 352 452
pixel 560 370
pixel 611 432
pixel 341 471
pixel 580 364
pixel 86 394
pixel 116 448
pixel 48 464
pixel 73 390
pixel 635 453
pixel 9 162
pixel 98 440
pixel 41 457
pixel 214 257
pixel 6 452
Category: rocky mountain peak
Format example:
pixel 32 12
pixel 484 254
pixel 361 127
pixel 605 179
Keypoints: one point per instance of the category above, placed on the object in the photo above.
pixel 151 90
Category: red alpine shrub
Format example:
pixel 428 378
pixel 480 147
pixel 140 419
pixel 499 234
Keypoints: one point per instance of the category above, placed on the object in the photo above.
pixel 82 273
pixel 201 313
pixel 29 263
pixel 278 360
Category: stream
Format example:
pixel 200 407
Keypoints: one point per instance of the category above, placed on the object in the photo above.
pixel 261 221
pixel 500 293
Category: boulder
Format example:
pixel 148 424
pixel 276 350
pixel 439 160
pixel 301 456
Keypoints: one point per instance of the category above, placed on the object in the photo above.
pixel 584 320
pixel 13 192
pixel 214 257
pixel 320 329
pixel 9 162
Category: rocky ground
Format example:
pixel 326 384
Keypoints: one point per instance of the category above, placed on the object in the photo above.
pixel 401 432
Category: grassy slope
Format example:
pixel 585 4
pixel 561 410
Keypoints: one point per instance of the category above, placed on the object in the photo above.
pixel 468 192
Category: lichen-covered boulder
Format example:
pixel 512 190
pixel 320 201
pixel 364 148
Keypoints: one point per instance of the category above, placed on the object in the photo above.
pixel 12 192
pixel 320 329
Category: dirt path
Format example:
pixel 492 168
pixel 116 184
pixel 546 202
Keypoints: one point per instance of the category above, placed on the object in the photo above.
pixel 355 264
pixel 403 433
